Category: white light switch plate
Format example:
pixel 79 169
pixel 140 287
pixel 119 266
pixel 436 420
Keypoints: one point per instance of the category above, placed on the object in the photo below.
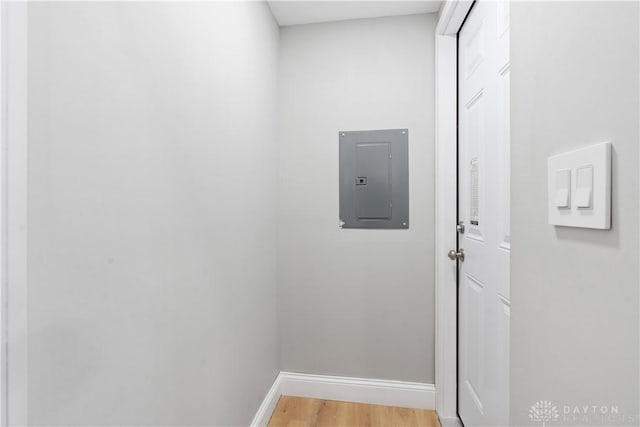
pixel 588 207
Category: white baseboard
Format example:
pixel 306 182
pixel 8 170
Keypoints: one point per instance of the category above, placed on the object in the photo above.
pixel 358 390
pixel 450 422
pixel 268 405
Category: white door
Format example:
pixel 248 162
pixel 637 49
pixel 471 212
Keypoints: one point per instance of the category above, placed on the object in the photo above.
pixel 483 206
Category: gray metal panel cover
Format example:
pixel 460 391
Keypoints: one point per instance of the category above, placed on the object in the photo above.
pixel 374 179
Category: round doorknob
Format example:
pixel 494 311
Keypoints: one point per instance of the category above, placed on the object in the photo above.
pixel 453 255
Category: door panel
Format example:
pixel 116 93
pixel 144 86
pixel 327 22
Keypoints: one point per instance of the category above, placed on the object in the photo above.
pixel 483 206
pixel 373 189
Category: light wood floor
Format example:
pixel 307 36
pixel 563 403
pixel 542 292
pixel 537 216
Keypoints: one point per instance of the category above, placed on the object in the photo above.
pixel 301 412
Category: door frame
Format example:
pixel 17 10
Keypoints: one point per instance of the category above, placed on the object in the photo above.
pixel 13 212
pixel 451 17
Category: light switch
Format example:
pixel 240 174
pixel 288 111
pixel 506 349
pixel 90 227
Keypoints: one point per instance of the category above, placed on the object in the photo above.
pixel 584 187
pixel 579 187
pixel 563 188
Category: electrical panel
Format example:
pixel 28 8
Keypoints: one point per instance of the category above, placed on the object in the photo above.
pixel 374 179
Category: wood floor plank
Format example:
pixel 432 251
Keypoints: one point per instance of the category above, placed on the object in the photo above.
pixel 301 412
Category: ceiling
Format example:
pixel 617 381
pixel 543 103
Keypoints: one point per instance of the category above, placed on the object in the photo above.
pixel 307 12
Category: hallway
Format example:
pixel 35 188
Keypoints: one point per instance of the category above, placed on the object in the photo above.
pixel 320 213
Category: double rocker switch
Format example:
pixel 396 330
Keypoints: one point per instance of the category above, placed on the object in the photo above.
pixel 584 188
pixel 579 187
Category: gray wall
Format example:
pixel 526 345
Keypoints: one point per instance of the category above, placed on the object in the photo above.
pixel 574 330
pixel 355 302
pixel 152 206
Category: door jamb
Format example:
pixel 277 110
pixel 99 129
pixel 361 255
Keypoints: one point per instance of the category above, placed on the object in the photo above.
pixel 13 216
pixel 451 16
